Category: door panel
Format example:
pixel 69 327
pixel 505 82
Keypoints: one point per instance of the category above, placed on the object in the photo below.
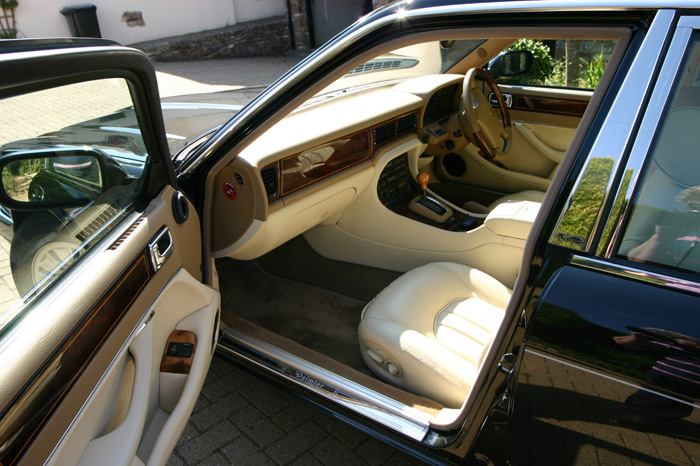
pixel 544 120
pixel 86 164
pixel 170 298
pixel 544 123
pixel 610 374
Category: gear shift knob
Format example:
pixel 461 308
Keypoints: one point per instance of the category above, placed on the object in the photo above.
pixel 423 179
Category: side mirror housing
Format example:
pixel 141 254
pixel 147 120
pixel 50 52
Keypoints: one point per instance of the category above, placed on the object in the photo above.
pixel 508 64
pixel 54 178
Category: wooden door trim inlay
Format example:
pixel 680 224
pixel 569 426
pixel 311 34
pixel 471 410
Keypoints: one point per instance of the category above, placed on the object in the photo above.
pixel 31 408
pixel 552 105
pixel 177 364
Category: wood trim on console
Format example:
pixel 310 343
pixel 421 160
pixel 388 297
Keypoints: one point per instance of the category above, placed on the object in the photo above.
pixel 300 170
pixel 322 161
pixel 31 408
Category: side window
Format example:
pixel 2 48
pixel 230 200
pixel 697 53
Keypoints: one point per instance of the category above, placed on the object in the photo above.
pixel 664 224
pixel 73 163
pixel 566 63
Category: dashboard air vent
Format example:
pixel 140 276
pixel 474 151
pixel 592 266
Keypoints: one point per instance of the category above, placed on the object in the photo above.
pixel 393 129
pixel 406 124
pixel 269 177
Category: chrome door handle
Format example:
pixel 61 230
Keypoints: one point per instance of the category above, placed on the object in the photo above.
pixel 507 364
pixel 508 98
pixel 160 248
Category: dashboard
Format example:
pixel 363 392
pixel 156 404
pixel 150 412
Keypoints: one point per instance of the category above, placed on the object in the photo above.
pixel 306 169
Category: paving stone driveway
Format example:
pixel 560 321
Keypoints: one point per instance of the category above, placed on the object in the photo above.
pixel 240 420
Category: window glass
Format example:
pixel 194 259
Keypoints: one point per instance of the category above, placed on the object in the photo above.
pixel 570 63
pixel 407 62
pixel 664 224
pixel 72 164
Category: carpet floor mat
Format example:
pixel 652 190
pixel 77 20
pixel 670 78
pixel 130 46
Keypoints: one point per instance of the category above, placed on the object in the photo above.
pixel 300 295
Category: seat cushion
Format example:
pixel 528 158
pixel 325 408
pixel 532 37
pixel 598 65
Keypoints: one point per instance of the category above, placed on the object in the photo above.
pixel 429 330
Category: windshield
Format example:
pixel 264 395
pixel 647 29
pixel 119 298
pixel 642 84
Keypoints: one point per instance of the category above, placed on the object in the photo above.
pixel 407 62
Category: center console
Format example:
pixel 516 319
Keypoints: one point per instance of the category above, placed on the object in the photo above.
pixel 399 192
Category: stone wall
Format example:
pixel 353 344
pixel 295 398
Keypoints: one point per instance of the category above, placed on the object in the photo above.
pixel 268 36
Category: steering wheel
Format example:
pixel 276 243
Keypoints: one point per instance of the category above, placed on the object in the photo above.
pixel 491 135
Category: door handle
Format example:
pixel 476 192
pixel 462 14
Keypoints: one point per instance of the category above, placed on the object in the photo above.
pixel 160 248
pixel 507 364
pixel 507 98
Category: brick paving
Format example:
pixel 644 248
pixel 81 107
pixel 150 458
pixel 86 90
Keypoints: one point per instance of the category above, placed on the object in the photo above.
pixel 195 77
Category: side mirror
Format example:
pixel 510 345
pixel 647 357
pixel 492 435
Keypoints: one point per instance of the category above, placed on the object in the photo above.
pixel 44 179
pixel 508 64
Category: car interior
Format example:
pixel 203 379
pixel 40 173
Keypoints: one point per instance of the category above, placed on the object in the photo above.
pixel 366 237
pixel 367 240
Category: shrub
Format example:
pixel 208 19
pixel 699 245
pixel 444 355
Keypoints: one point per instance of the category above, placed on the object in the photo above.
pixel 7 21
pixel 543 65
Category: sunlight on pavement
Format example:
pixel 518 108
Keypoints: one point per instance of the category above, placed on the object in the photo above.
pixel 171 85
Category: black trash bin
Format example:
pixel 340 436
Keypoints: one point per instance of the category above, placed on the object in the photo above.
pixel 82 20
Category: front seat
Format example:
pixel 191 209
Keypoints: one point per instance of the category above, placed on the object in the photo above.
pixel 429 330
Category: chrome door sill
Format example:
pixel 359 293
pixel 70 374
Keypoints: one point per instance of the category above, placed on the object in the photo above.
pixel 379 408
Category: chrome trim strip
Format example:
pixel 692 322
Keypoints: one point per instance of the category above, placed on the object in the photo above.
pixel 607 377
pixel 647 130
pixel 636 274
pixel 382 409
pixel 692 22
pixel 539 123
pixel 617 130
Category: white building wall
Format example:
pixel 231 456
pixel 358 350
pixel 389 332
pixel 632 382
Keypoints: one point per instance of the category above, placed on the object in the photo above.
pixel 249 10
pixel 162 18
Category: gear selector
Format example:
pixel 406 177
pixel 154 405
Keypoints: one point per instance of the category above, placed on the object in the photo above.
pixel 427 206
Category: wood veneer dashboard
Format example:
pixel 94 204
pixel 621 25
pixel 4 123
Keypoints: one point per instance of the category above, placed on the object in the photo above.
pixel 311 165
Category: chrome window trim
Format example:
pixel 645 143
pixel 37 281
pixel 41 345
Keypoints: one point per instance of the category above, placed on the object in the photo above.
pixel 648 128
pixel 617 131
pixel 692 22
pixel 633 273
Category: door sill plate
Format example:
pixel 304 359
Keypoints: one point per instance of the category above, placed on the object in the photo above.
pixel 377 407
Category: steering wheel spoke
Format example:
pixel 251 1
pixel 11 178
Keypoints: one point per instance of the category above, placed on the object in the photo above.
pixel 491 134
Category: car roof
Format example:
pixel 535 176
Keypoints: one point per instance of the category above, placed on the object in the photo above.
pixel 531 5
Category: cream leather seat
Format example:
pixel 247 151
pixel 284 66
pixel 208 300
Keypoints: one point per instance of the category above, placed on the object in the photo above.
pixel 429 331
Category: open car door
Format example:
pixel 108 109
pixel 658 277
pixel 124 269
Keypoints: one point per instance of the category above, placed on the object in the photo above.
pixel 106 330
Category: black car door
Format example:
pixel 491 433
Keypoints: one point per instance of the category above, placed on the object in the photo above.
pixel 106 329
pixel 612 368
